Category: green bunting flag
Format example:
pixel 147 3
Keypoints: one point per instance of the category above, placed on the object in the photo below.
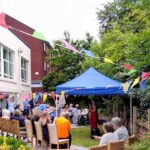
pixel 39 35
pixel 131 72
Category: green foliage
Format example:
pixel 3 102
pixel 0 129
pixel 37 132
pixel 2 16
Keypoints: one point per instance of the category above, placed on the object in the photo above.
pixel 10 143
pixel 65 64
pixel 143 144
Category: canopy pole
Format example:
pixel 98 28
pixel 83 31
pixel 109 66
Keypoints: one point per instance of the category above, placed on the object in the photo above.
pixel 131 114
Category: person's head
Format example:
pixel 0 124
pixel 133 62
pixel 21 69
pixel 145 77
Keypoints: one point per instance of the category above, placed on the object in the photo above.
pixel 17 112
pixel 63 114
pixel 37 113
pixel 5 113
pixel 108 127
pixel 117 122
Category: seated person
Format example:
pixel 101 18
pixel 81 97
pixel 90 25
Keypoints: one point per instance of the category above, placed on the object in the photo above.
pixel 109 135
pixel 120 130
pixel 37 113
pixel 17 116
pixel 63 127
pixel 5 114
pixel 44 120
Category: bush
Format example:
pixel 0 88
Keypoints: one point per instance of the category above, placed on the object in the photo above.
pixel 143 144
pixel 10 143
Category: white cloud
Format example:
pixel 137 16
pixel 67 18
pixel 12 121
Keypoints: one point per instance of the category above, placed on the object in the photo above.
pixel 53 17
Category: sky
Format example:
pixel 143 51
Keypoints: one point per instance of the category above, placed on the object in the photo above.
pixel 53 17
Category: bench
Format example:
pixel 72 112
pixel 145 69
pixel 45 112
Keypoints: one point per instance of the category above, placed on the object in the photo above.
pixel 12 127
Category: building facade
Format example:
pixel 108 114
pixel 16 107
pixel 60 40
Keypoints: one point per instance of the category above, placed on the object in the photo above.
pixel 39 67
pixel 15 66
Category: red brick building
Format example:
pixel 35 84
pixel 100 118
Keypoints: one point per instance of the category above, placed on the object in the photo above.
pixel 39 67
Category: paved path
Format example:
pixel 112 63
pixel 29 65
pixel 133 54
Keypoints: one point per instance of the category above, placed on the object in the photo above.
pixel 75 147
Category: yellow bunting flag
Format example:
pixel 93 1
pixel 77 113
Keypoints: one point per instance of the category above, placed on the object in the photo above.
pixel 125 87
pixel 108 60
pixel 62 93
pixel 136 81
pixel 33 95
pixel 44 97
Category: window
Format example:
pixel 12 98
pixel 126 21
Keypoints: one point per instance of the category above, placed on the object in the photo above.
pixel 24 70
pixel 7 60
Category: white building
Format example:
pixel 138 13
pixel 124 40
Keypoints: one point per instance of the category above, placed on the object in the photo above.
pixel 15 65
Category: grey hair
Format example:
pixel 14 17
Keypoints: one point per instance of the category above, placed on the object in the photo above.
pixel 117 121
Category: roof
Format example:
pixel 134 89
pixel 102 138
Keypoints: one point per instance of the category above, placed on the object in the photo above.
pixel 91 82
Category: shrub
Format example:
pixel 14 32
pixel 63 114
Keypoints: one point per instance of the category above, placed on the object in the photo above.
pixel 143 144
pixel 10 143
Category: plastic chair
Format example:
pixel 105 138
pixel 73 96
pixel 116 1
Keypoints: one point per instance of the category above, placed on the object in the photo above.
pixel 53 137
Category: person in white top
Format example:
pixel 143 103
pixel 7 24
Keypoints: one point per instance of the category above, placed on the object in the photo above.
pixel 109 135
pixel 120 130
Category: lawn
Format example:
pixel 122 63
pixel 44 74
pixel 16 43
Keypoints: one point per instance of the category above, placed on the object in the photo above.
pixel 81 137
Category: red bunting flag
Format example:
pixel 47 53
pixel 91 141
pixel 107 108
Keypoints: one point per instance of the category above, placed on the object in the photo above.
pixel 2 20
pixel 68 46
pixel 127 66
pixel 145 75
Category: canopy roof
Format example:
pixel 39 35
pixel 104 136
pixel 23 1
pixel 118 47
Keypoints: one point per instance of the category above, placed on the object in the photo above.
pixel 91 82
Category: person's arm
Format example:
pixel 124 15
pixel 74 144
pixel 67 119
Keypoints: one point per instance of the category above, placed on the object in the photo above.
pixel 97 137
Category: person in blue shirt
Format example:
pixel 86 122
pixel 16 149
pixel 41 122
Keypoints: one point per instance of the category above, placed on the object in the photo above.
pixel 26 107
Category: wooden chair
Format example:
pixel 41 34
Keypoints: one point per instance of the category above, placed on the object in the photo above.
pixel 39 134
pixel 29 131
pixel 102 147
pixel 131 140
pixel 53 137
pixel 116 145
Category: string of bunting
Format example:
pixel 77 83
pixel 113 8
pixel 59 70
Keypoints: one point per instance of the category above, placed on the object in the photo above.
pixel 131 70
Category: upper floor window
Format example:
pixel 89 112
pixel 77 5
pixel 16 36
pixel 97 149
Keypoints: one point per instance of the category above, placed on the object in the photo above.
pixel 6 60
pixel 24 70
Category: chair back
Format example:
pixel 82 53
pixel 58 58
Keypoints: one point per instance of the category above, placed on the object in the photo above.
pixel 116 145
pixel 53 136
pixel 29 128
pixel 102 147
pixel 39 132
pixel 131 139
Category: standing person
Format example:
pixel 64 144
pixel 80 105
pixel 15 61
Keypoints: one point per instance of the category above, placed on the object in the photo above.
pixel 26 106
pixel 93 119
pixel 63 127
pixel 11 105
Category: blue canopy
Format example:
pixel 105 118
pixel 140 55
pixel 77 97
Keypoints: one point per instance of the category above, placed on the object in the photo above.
pixel 91 82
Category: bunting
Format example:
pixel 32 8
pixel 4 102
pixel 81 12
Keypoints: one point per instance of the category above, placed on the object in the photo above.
pixel 136 81
pixel 68 46
pixel 131 72
pixel 2 20
pixel 143 85
pixel 127 66
pixel 126 86
pixel 108 60
pixel 145 75
pixel 39 36
pixel 44 97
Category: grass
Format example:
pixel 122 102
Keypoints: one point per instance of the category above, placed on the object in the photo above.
pixel 82 137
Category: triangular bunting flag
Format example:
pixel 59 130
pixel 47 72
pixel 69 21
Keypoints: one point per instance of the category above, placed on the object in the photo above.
pixel 136 81
pixel 145 75
pixel 143 85
pixel 68 46
pixel 44 97
pixel 127 66
pixel 87 53
pixel 131 72
pixel 108 60
pixel 2 20
pixel 39 36
pixel 33 95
